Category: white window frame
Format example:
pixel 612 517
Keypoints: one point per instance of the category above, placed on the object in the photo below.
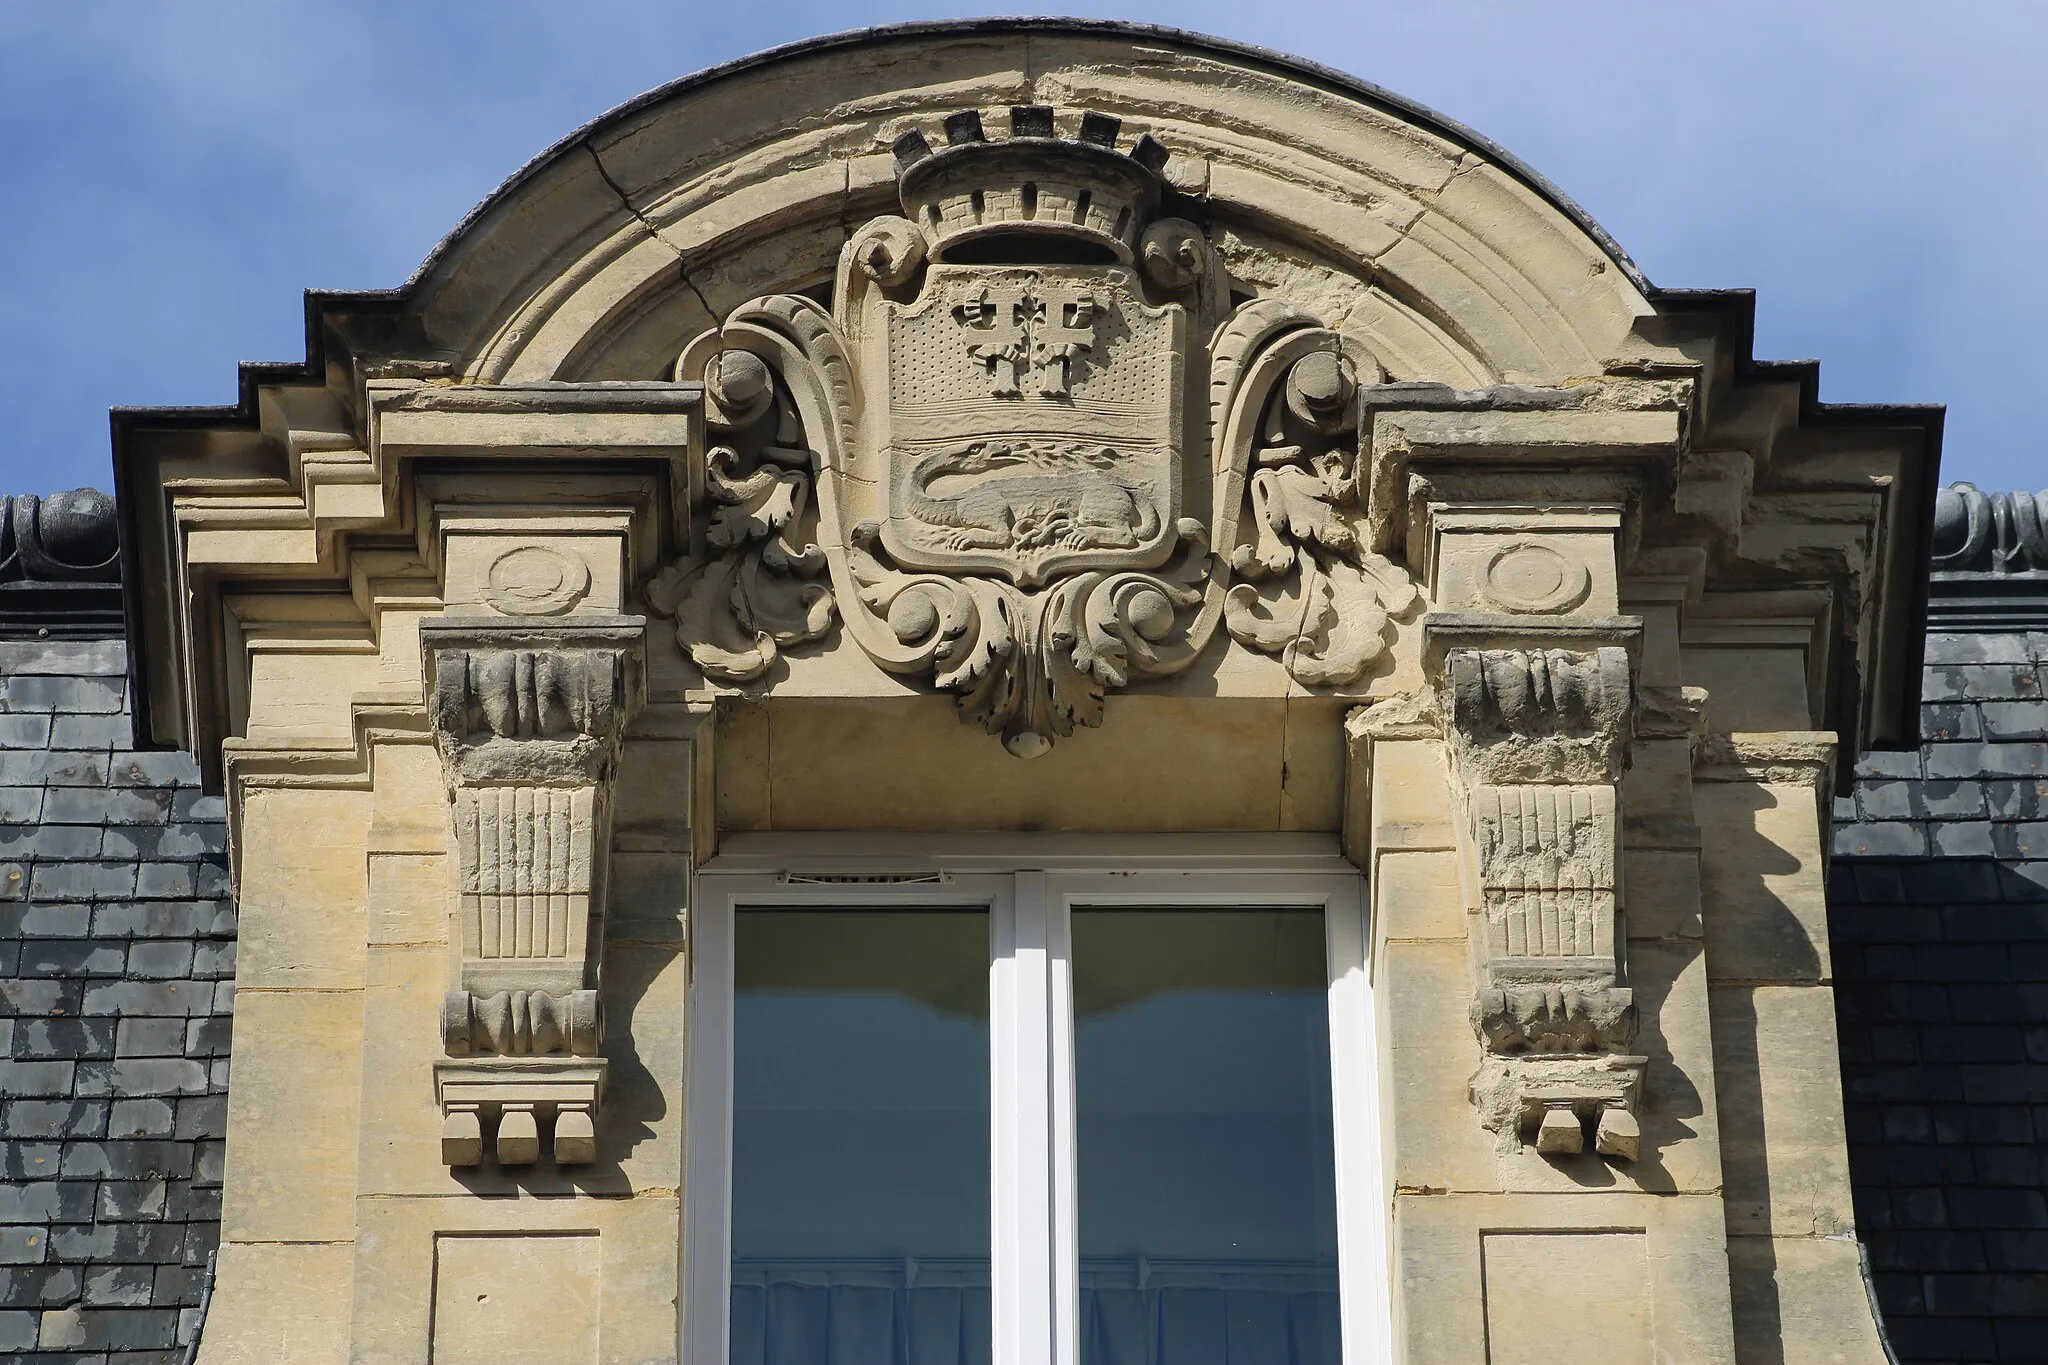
pixel 1030 886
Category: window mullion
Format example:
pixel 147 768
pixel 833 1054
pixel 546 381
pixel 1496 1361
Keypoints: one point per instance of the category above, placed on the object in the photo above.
pixel 1063 1202
pixel 1021 1038
pixel 707 1233
pixel 1363 1209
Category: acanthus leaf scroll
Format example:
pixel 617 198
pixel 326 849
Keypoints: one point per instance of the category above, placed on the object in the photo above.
pixel 1285 405
pixel 974 461
pixel 758 585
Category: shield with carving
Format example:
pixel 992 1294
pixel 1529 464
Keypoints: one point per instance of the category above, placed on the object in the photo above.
pixel 973 458
pixel 1033 423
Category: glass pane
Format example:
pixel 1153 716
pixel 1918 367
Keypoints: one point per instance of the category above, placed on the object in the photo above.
pixel 860 1170
pixel 1207 1179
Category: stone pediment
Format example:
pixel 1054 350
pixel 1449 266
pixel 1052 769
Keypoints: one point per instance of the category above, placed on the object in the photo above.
pixel 1205 368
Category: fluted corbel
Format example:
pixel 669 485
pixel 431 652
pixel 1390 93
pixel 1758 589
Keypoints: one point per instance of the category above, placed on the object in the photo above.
pixel 1538 740
pixel 528 718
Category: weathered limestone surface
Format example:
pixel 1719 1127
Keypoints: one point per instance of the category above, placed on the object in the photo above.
pixel 1032 427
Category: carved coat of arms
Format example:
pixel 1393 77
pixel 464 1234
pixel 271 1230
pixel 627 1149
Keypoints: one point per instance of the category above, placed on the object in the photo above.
pixel 982 457
pixel 1033 422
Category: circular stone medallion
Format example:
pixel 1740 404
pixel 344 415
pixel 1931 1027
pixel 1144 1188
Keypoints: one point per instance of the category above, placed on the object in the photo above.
pixel 1525 577
pixel 534 580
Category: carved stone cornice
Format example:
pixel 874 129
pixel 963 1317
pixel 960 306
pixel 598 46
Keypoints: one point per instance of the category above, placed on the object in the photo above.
pixel 528 719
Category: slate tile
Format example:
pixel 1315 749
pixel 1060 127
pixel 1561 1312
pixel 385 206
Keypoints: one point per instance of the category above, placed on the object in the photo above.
pixel 152 1037
pixel 1886 839
pixel 164 768
pixel 71 957
pixel 2022 1338
pixel 1889 763
pixel 98 732
pixel 142 1118
pixel 35 1285
pixel 46 1078
pixel 146 1076
pixel 1962 839
pixel 2025 839
pixel 18 920
pixel 82 881
pixel 1949 800
pixel 160 959
pixel 148 997
pixel 2004 720
pixel 1977 647
pixel 1950 721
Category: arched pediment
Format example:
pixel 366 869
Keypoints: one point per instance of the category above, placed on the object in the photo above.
pixel 576 320
pixel 1458 265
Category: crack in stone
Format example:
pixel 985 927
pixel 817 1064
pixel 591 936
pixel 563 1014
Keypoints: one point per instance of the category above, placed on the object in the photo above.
pixel 625 202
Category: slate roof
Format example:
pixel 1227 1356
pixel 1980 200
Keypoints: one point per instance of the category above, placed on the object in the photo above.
pixel 1938 910
pixel 117 958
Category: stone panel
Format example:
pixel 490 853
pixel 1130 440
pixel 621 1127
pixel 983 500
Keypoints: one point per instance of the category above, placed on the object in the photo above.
pixel 515 1300
pixel 1526 1317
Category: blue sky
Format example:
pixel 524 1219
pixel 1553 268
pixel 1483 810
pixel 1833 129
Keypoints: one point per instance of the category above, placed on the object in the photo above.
pixel 173 175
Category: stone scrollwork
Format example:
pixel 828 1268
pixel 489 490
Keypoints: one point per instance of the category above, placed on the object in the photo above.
pixel 974 460
pixel 528 720
pixel 758 586
pixel 1315 595
pixel 1539 741
pixel 1031 666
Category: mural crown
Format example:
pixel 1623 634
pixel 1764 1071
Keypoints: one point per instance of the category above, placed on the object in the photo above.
pixel 1035 192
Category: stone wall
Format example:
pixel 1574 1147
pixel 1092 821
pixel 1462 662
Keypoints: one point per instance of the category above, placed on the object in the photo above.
pixel 117 956
pixel 1939 915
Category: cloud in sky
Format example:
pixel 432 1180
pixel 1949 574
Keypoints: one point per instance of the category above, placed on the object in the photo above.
pixel 173 176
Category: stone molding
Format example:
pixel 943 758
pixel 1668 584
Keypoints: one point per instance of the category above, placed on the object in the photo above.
pixel 528 720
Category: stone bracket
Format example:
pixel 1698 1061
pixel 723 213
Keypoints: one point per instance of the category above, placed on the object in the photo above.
pixel 1538 721
pixel 1550 1101
pixel 528 719
pixel 515 1101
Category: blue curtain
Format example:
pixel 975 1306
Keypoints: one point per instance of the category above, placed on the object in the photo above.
pixel 883 1313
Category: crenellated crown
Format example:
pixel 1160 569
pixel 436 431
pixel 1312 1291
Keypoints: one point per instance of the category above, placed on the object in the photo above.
pixel 1033 196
